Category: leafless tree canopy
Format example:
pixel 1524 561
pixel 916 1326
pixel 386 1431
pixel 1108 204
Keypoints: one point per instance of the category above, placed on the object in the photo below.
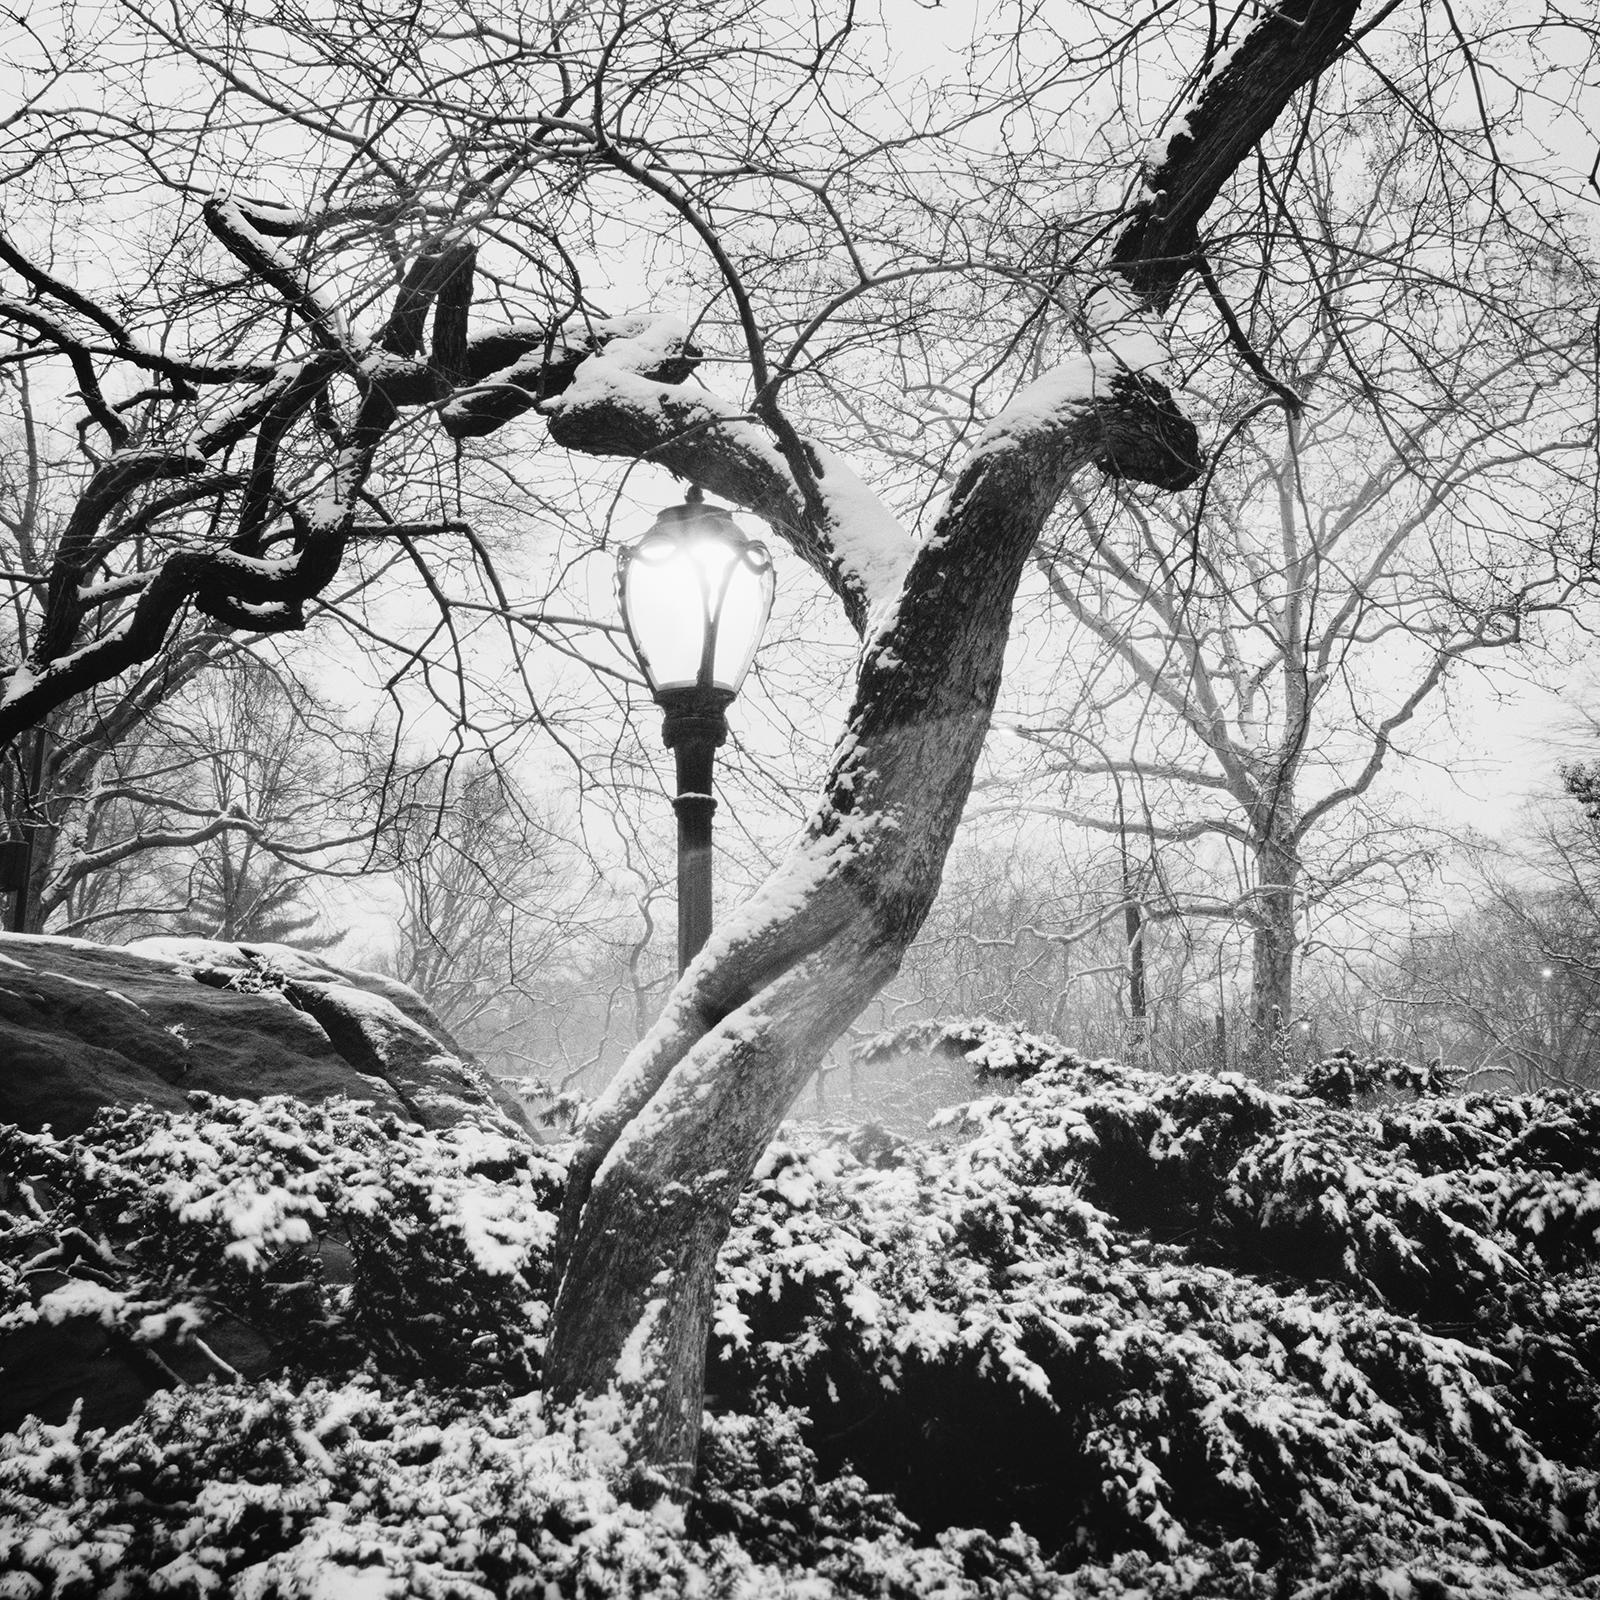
pixel 286 271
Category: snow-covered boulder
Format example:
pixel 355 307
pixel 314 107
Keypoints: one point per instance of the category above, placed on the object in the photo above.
pixel 84 1026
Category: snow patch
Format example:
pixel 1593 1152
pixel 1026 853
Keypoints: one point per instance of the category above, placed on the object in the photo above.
pixel 82 1299
pixel 872 545
pixel 631 1363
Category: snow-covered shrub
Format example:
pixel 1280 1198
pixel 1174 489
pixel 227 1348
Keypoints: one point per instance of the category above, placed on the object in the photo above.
pixel 991 1049
pixel 1548 1333
pixel 339 1237
pixel 992 1352
pixel 371 1489
pixel 277 1492
pixel 1159 1314
pixel 376 1490
pixel 1435 1206
pixel 1344 1077
pixel 1197 1339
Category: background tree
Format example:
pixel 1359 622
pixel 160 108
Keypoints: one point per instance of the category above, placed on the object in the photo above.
pixel 213 813
pixel 1033 933
pixel 1485 994
pixel 1244 672
pixel 212 747
pixel 490 928
pixel 1512 984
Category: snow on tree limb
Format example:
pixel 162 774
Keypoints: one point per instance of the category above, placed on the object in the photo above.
pixel 872 548
pixel 272 263
pixel 613 406
pixel 1237 102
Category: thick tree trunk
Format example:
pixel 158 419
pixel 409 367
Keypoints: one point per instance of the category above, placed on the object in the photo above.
pixel 1273 948
pixel 643 1260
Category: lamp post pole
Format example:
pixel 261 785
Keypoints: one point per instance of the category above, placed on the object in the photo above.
pixel 694 725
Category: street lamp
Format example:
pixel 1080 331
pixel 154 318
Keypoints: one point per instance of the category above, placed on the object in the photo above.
pixel 695 594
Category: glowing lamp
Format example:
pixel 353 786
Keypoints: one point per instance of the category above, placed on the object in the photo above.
pixel 695 594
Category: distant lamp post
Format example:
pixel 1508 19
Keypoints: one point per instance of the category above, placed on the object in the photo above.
pixel 695 593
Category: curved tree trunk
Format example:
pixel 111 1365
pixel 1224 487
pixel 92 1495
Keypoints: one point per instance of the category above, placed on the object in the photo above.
pixel 670 1146
pixel 1273 948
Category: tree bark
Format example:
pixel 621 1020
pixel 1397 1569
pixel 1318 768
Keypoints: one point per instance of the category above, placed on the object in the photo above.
pixel 1273 946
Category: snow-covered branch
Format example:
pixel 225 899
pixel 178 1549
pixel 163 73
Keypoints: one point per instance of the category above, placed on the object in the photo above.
pixel 615 407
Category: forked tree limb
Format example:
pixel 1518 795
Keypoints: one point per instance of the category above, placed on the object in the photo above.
pixel 239 584
pixel 672 1143
pixel 674 1139
pixel 1133 431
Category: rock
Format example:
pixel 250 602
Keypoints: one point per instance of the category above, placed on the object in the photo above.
pixel 84 1026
